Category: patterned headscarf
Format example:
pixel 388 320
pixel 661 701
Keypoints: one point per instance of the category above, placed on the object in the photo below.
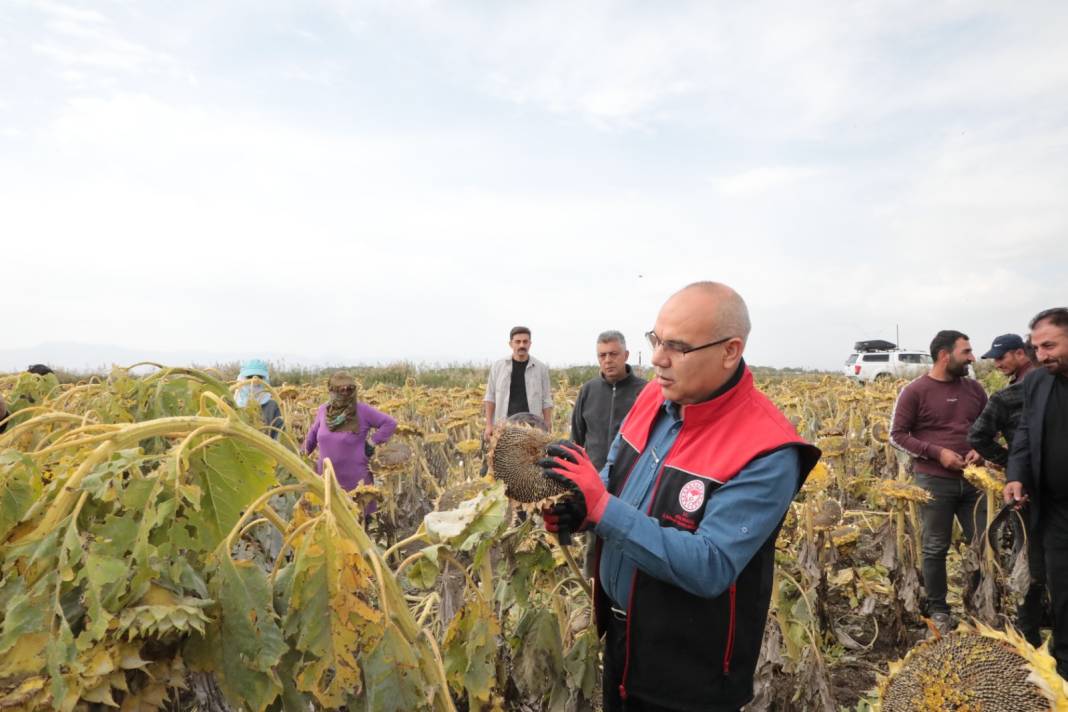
pixel 341 414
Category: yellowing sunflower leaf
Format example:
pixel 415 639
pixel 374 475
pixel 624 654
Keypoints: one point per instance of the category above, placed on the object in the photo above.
pixel 470 651
pixel 474 520
pixel 330 616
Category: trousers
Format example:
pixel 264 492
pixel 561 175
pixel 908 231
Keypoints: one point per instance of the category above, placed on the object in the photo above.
pixel 951 497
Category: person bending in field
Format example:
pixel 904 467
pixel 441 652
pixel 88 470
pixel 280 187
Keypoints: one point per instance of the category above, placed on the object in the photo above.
pixel 686 512
pixel 340 431
pixel 256 373
pixel 930 423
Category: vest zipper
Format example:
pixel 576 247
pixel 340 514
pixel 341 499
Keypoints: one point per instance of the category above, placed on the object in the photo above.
pixel 730 634
pixel 630 600
pixel 611 414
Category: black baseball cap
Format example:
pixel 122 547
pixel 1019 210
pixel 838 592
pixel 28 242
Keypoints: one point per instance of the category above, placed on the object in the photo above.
pixel 1004 344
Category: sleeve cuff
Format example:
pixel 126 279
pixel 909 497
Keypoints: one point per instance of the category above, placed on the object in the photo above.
pixel 616 519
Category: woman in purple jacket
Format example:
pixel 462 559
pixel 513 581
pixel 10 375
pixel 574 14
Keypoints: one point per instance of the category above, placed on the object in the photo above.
pixel 340 433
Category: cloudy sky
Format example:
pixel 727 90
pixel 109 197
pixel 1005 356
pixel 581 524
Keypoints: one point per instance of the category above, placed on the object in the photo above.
pixel 352 182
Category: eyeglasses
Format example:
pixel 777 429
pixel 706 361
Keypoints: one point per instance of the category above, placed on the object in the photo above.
pixel 344 389
pixel 678 346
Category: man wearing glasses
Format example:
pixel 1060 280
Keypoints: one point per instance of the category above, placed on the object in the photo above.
pixel 1038 463
pixel 686 512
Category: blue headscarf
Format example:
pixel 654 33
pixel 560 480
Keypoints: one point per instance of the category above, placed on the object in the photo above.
pixel 255 390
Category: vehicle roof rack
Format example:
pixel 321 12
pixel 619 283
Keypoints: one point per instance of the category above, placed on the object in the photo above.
pixel 874 345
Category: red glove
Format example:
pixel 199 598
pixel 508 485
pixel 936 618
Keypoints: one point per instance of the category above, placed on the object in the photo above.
pixel 569 465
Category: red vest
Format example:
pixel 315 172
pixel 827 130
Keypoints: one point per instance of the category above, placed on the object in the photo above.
pixel 684 651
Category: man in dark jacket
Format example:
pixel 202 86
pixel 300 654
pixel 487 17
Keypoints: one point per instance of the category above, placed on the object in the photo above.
pixel 686 512
pixel 604 401
pixel 1002 412
pixel 1014 358
pixel 1038 462
pixel 602 404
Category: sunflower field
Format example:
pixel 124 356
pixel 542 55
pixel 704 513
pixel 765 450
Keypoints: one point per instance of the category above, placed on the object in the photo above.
pixel 159 550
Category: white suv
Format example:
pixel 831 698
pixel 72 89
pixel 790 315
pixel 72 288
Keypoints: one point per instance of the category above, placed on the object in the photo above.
pixel 878 360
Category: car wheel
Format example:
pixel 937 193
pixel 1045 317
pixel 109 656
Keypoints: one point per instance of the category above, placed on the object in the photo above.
pixel 880 377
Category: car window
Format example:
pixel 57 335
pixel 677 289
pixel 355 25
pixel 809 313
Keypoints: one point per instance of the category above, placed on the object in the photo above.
pixel 851 360
pixel 911 358
pixel 927 359
pixel 876 358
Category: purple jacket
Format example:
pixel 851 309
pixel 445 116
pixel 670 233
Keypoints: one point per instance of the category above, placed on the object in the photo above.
pixel 345 449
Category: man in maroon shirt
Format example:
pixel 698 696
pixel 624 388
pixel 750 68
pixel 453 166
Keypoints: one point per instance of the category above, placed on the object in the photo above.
pixel 931 420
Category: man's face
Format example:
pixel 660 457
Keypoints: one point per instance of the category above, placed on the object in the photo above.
pixel 612 358
pixel 691 378
pixel 520 344
pixel 1010 362
pixel 959 358
pixel 1051 347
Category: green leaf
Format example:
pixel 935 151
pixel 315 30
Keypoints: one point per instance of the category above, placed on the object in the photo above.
pixel 106 580
pixel 231 475
pixel 19 487
pixel 470 651
pixel 116 536
pixel 538 652
pixel 425 571
pixel 250 639
pixel 26 613
pixel 393 681
pixel 537 559
pixel 580 664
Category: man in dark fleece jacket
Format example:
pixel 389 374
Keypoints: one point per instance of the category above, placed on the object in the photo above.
pixel 1014 358
pixel 931 420
pixel 604 401
pixel 602 404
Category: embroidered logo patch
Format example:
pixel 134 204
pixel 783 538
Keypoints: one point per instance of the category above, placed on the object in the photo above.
pixel 692 495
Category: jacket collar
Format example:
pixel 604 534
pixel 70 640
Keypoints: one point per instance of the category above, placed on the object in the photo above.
pixel 723 400
pixel 1020 375
pixel 629 375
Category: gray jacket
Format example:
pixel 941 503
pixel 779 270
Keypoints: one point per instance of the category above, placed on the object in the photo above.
pixel 599 411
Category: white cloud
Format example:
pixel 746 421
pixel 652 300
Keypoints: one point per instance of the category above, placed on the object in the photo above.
pixel 410 183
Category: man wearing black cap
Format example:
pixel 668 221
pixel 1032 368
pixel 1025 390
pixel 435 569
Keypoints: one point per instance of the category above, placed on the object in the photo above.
pixel 1013 357
pixel 1002 411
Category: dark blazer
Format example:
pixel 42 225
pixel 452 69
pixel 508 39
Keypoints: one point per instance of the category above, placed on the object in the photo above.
pixel 1025 455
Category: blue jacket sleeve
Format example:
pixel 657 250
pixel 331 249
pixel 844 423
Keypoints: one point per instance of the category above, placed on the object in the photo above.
pixel 737 521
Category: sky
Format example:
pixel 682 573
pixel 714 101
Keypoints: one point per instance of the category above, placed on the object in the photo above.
pixel 328 181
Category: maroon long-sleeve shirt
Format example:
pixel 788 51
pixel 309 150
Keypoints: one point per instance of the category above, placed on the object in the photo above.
pixel 930 415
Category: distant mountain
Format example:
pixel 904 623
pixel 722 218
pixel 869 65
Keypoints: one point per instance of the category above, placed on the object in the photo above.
pixel 78 357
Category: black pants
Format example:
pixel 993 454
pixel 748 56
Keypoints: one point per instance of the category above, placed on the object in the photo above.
pixel 950 497
pixel 1055 538
pixel 614 658
pixel 1031 612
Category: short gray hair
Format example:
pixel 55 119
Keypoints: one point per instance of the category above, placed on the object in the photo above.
pixel 612 335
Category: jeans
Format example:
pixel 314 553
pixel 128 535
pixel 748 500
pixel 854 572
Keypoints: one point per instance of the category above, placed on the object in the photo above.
pixel 950 497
